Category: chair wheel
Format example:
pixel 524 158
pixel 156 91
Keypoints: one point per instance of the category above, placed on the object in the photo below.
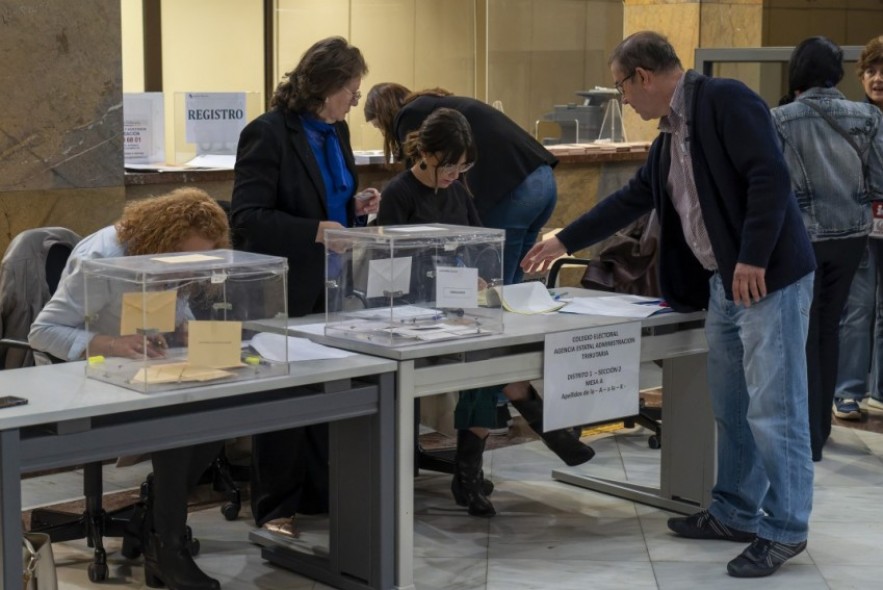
pixel 653 442
pixel 97 572
pixel 230 511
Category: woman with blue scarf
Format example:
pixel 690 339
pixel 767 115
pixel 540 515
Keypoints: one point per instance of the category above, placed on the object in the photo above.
pixel 295 178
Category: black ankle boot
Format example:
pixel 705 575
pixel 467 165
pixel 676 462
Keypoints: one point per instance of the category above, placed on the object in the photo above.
pixel 487 488
pixel 563 443
pixel 467 482
pixel 140 523
pixel 169 563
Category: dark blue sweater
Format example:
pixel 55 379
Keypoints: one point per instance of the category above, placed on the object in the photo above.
pixel 744 192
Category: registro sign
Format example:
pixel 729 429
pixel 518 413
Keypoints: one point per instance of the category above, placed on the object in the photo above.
pixel 591 375
pixel 214 117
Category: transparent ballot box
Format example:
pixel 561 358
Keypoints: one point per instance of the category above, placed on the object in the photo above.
pixel 168 321
pixel 407 284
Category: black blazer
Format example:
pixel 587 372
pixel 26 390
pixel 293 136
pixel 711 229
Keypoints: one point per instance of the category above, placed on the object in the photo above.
pixel 279 200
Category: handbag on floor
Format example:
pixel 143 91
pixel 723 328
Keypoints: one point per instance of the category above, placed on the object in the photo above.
pixel 38 562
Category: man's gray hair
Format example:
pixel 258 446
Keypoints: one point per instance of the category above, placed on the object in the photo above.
pixel 645 49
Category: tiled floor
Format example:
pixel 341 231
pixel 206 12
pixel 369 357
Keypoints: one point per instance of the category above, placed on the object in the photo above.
pixel 551 535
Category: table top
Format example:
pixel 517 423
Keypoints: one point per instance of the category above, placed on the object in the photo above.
pixel 517 329
pixel 62 392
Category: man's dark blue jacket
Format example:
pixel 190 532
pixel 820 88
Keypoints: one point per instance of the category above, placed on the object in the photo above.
pixel 744 192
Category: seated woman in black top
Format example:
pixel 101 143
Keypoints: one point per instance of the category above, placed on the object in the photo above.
pixel 431 192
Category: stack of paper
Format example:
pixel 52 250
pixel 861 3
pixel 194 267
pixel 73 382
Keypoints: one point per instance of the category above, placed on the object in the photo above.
pixel 526 298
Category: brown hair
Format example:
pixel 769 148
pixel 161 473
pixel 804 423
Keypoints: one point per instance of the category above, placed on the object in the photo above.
pixel 384 102
pixel 871 54
pixel 159 224
pixel 382 105
pixel 323 70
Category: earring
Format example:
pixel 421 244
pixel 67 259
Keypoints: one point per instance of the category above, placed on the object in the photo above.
pixel 423 164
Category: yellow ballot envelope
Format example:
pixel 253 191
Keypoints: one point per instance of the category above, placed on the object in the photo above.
pixel 154 310
pixel 214 344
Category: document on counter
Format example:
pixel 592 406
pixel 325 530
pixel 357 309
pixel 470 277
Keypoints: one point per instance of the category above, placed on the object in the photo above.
pixel 213 162
pixel 272 347
pixel 525 298
pixel 623 306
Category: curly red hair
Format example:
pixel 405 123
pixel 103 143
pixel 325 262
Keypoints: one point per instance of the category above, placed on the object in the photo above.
pixel 159 224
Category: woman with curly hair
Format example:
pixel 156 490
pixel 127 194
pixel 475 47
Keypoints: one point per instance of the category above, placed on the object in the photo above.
pixel 864 307
pixel 185 220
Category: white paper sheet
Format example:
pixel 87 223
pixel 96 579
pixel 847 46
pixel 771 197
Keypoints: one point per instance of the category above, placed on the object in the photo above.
pixel 413 228
pixel 528 298
pixel 272 347
pixel 625 306
pixel 215 161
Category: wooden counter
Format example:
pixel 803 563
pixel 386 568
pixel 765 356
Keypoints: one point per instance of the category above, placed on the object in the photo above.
pixel 584 174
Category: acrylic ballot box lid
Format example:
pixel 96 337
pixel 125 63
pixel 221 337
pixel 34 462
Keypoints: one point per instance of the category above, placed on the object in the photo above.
pixel 179 319
pixel 408 284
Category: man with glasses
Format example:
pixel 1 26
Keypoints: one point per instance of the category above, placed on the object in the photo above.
pixel 732 241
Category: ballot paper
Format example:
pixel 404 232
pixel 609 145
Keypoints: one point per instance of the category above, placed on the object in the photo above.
pixel 625 306
pixel 525 298
pixel 177 373
pixel 272 347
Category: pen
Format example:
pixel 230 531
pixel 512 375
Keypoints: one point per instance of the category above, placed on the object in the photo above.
pixel 558 296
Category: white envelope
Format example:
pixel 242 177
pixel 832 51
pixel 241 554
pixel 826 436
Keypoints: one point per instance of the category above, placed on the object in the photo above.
pixel 389 277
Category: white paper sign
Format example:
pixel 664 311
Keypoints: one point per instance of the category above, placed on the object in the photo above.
pixel 143 128
pixel 389 277
pixel 591 375
pixel 456 286
pixel 214 117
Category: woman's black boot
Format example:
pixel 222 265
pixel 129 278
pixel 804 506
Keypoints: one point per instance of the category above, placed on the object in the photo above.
pixel 140 522
pixel 563 443
pixel 487 488
pixel 467 482
pixel 169 563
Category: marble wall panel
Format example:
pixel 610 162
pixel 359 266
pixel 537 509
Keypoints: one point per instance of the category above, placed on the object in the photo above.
pixel 61 117
pixel 81 210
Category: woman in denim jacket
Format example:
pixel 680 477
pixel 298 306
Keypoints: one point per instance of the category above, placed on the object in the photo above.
pixel 864 307
pixel 834 150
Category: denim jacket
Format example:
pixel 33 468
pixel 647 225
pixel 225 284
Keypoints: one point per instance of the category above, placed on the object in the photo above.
pixel 826 172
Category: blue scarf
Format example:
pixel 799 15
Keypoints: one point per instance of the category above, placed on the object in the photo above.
pixel 338 180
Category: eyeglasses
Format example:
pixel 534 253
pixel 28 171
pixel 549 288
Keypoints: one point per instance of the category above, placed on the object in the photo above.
pixel 355 97
pixel 618 85
pixel 458 168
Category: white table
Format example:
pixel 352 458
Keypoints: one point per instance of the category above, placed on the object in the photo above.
pixel 687 461
pixel 72 420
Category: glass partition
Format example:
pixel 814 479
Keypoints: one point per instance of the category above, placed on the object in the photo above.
pixel 765 69
pixel 545 56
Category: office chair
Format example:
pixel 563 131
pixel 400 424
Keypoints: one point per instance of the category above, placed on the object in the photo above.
pixel 649 418
pixel 29 274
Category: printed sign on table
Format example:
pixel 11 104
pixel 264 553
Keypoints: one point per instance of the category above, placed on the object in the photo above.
pixel 591 375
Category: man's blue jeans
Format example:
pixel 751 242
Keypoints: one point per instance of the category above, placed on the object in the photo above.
pixel 758 386
pixel 863 347
pixel 522 213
